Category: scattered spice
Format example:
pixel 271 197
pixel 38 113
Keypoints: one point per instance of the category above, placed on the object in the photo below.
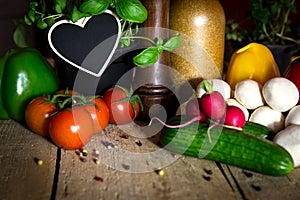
pixel 248 174
pixel 139 143
pixel 124 136
pixel 127 167
pixel 84 152
pixel 160 172
pixel 175 155
pixel 96 161
pixel 208 171
pixel 256 187
pixel 39 162
pixel 96 153
pixel 98 179
pixel 83 159
pixel 108 144
pixel 207 178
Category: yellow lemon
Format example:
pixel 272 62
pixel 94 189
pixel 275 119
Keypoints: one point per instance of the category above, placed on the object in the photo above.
pixel 253 61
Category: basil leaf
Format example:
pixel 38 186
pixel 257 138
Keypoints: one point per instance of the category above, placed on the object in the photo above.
pixel 60 5
pixel 50 21
pixel 27 20
pixel 43 6
pixel 94 7
pixel 33 5
pixel 131 10
pixel 76 14
pixel 31 15
pixel 22 37
pixel 41 24
pixel 147 57
pixel 172 43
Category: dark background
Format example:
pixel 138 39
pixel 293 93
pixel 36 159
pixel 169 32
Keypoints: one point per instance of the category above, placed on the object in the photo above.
pixel 13 9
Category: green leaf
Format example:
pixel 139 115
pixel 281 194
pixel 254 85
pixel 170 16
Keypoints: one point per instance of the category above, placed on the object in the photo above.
pixel 94 7
pixel 147 57
pixel 50 21
pixel 27 20
pixel 31 15
pixel 125 42
pixel 22 37
pixel 159 42
pixel 43 5
pixel 131 10
pixel 41 24
pixel 60 5
pixel 76 14
pixel 172 43
pixel 33 5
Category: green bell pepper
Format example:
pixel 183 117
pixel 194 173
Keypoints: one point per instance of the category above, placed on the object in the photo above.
pixel 24 75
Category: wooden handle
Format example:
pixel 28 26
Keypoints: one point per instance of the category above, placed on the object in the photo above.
pixel 158 17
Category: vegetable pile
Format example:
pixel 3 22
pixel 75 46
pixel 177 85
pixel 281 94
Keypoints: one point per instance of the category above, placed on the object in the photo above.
pixel 29 92
pixel 71 119
pixel 213 129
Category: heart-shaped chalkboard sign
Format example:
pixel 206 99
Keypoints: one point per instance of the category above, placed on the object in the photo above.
pixel 87 44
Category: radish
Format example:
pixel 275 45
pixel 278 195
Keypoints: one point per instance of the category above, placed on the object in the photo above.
pixel 212 103
pixel 234 117
pixel 234 102
pixel 217 85
pixel 192 109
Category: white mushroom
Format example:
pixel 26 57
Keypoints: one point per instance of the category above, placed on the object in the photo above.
pixel 234 102
pixel 293 117
pixel 248 93
pixel 267 116
pixel 289 138
pixel 280 94
pixel 217 85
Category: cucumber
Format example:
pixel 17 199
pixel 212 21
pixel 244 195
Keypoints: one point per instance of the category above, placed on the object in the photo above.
pixel 229 146
pixel 259 130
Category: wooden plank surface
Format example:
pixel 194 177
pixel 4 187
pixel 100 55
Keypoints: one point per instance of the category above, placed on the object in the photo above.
pixel 127 168
pixel 20 176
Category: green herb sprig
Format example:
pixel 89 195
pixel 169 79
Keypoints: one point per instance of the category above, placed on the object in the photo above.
pixel 44 14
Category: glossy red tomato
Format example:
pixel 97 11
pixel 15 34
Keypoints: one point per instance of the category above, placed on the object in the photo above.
pixel 123 105
pixel 37 115
pixel 99 113
pixel 67 92
pixel 293 73
pixel 71 128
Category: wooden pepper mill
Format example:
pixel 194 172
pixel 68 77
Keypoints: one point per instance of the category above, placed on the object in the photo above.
pixel 154 90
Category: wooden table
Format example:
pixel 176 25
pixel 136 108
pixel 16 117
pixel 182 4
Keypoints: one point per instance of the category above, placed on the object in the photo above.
pixel 70 175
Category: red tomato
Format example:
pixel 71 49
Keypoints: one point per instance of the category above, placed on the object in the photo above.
pixel 67 92
pixel 72 128
pixel 120 103
pixel 99 113
pixel 293 72
pixel 37 115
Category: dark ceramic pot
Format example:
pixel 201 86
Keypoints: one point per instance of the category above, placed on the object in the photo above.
pixel 90 85
pixel 282 55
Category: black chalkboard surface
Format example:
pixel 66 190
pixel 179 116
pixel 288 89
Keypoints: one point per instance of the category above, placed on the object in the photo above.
pixel 87 44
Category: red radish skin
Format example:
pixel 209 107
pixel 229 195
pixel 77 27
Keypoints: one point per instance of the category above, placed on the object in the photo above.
pixel 192 109
pixel 213 105
pixel 234 117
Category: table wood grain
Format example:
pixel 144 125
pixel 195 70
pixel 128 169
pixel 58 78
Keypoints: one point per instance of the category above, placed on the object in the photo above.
pixel 106 173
